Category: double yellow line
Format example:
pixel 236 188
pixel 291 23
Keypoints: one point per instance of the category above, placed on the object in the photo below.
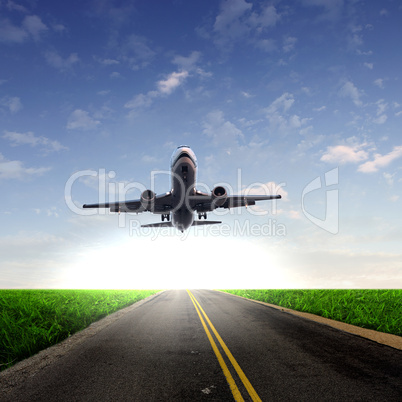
pixel 232 384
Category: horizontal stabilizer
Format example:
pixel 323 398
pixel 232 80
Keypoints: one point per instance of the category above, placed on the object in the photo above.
pixel 170 225
pixel 199 223
pixel 158 225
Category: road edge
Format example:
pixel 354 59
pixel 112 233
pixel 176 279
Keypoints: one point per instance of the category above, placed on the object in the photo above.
pixel 394 341
pixel 28 367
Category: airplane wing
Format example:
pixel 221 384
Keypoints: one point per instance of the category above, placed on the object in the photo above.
pixel 246 200
pixel 202 202
pixel 161 204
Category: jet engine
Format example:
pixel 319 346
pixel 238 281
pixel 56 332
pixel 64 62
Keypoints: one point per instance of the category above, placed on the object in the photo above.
pixel 219 196
pixel 147 200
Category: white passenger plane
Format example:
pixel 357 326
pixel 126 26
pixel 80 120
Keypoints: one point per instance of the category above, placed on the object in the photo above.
pixel 183 199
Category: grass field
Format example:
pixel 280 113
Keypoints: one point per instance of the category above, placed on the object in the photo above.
pixel 32 320
pixel 380 310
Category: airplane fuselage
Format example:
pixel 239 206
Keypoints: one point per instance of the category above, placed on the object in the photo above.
pixel 183 173
pixel 179 205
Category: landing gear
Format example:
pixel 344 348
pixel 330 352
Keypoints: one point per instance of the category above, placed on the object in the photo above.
pixel 202 215
pixel 165 216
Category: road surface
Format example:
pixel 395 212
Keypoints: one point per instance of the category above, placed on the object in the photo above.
pixel 206 345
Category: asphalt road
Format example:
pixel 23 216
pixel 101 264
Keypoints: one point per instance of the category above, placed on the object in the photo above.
pixel 205 345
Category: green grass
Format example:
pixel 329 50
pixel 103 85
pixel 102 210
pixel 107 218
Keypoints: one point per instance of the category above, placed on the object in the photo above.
pixel 380 310
pixel 32 320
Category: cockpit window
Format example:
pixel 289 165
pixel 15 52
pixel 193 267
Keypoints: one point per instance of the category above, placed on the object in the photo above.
pixel 181 151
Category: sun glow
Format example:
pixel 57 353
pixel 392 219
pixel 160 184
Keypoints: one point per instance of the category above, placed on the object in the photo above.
pixel 176 263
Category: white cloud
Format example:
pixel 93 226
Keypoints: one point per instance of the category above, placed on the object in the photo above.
pixel 137 52
pixel 56 61
pixel 278 116
pixel 165 87
pixel 34 25
pixel 16 170
pixel 29 138
pixel 296 122
pixel 236 21
pixel 59 28
pixel 370 66
pixel 381 107
pixel 381 160
pixel 149 159
pixel 266 45
pixel 268 17
pixel 355 39
pixel 345 154
pixel 310 140
pixel 247 95
pixel 52 212
pixel 389 178
pixel 381 119
pixel 202 73
pixel 221 131
pixel 355 154
pixel 12 103
pixel 368 53
pixel 11 6
pixel 187 63
pixel 227 23
pixel 80 119
pixel 21 139
pixel 349 90
pixel 379 82
pixel 141 101
pixel 281 104
pixel 332 8
pixel 289 43
pixel 108 62
pixel 173 81
pixel 10 33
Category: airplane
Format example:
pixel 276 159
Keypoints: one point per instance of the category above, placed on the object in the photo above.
pixel 177 206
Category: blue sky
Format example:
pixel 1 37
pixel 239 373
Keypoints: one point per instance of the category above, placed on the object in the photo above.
pixel 300 97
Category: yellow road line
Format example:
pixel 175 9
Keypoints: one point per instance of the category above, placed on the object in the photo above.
pixel 253 394
pixel 233 387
